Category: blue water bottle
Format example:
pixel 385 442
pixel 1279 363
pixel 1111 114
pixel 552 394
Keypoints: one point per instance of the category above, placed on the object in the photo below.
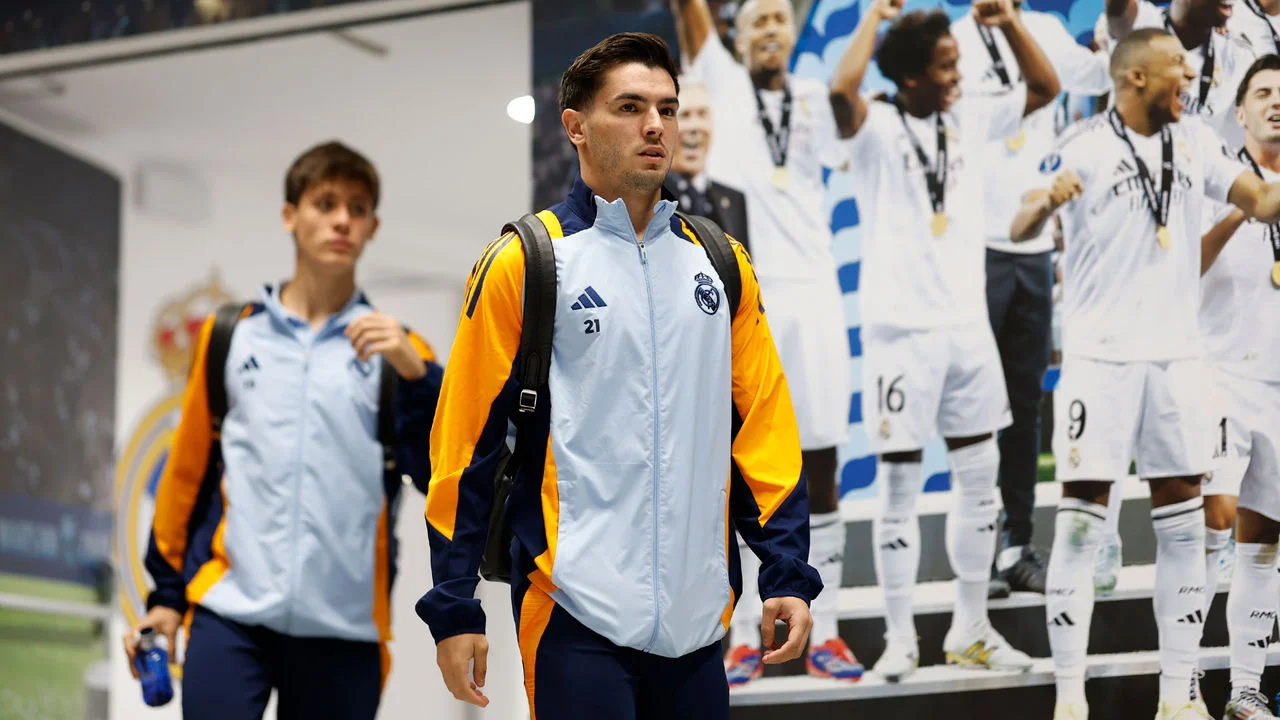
pixel 152 661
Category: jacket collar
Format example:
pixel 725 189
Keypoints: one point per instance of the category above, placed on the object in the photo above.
pixel 613 217
pixel 271 301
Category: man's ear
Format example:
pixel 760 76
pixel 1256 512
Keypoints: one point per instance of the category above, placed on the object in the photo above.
pixel 574 121
pixel 1137 76
pixel 289 216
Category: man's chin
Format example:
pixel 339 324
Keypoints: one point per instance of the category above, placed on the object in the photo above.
pixel 773 62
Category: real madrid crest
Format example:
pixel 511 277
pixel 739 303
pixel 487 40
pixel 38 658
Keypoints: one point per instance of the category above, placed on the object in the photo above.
pixel 706 294
pixel 885 429
pixel 1073 458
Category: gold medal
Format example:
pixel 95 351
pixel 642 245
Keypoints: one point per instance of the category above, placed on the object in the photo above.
pixel 1162 237
pixel 780 177
pixel 1016 142
pixel 939 224
pixel 1275 274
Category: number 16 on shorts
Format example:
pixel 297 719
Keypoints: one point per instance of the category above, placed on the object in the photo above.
pixel 883 403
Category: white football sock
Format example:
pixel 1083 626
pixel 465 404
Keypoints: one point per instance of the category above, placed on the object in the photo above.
pixel 1114 504
pixel 1251 613
pixel 744 629
pixel 971 528
pixel 896 540
pixel 1077 530
pixel 826 554
pixel 1215 542
pixel 1178 599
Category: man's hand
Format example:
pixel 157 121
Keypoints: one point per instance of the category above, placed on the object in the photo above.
pixel 795 613
pixel 454 656
pixel 993 13
pixel 1065 187
pixel 887 9
pixel 163 620
pixel 375 334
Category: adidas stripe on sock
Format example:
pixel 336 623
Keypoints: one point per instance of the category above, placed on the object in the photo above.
pixel 1078 528
pixel 1179 596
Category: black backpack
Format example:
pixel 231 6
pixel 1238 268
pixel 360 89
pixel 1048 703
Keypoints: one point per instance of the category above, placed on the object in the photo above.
pixel 534 356
pixel 224 324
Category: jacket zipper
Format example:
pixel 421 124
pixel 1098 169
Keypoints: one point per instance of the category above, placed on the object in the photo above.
pixel 657 454
pixel 297 486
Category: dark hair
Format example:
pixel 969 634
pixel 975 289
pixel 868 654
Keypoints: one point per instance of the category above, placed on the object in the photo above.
pixel 1266 62
pixel 907 47
pixel 329 161
pixel 582 80
pixel 1129 50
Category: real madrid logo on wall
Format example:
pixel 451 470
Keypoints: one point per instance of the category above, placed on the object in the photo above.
pixel 173 337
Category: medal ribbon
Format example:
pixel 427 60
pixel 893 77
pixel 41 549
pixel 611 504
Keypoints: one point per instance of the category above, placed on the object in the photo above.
pixel 935 179
pixel 1158 204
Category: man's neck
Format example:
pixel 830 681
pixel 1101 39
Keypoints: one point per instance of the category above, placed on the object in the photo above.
pixel 1135 114
pixel 639 204
pixel 1266 154
pixel 769 79
pixel 314 296
pixel 917 105
pixel 1191 34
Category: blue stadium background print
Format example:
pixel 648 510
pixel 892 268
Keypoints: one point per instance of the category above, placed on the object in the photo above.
pixel 823 38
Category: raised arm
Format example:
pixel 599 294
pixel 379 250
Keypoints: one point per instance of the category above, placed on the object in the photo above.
pixel 1257 199
pixel 847 104
pixel 1215 240
pixel 1037 72
pixel 1121 16
pixel 1040 204
pixel 694 25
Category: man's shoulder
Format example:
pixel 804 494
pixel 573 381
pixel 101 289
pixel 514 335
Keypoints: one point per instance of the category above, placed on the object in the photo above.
pixel 731 194
pixel 1082 144
pixel 1149 16
pixel 1085 132
pixel 1200 136
pixel 1037 20
pixel 809 87
pixel 964 28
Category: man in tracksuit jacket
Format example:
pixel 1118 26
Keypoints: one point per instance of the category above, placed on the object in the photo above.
pixel 625 569
pixel 289 569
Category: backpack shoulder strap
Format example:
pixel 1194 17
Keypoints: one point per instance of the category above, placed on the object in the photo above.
pixel 720 252
pixel 534 356
pixel 224 324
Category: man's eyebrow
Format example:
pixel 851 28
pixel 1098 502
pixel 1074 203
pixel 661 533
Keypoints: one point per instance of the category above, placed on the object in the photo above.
pixel 640 98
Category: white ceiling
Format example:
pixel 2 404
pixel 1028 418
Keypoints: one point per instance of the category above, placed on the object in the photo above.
pixel 430 113
pixel 445 78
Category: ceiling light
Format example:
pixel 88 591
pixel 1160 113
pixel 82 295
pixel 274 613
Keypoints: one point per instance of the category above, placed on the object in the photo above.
pixel 521 109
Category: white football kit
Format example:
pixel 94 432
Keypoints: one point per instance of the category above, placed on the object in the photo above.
pixel 1262 31
pixel 790 231
pixel 1240 324
pixel 930 363
pixel 1011 162
pixel 1133 379
pixel 1214 99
